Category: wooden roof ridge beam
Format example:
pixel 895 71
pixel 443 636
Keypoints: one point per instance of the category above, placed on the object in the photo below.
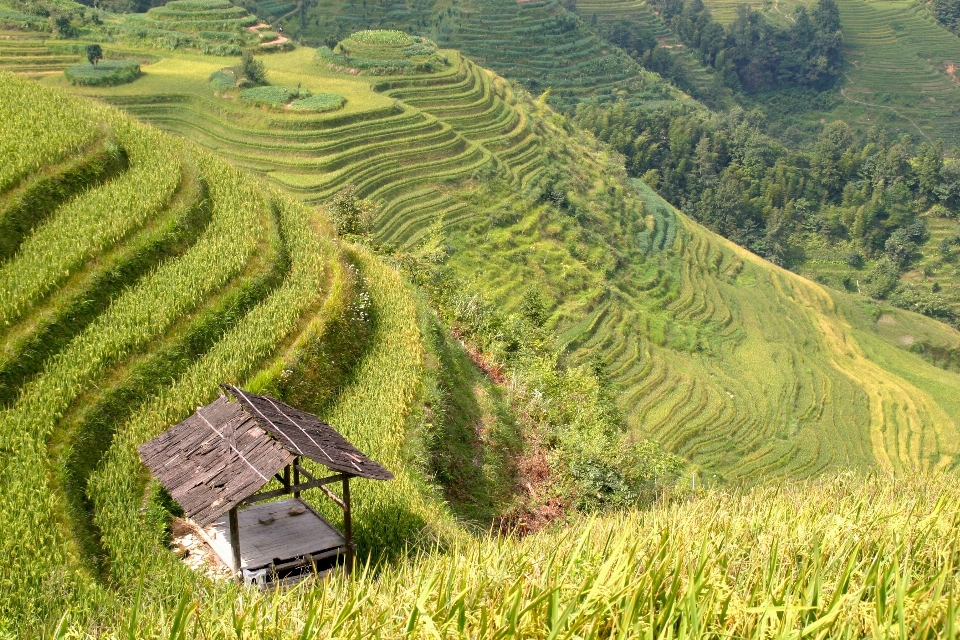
pixel 303 486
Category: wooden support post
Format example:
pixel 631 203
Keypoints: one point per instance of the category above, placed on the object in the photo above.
pixel 286 477
pixel 347 524
pixel 235 541
pixel 296 475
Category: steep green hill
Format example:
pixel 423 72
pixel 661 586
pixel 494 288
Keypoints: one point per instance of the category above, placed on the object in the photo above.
pixel 138 272
pixel 743 368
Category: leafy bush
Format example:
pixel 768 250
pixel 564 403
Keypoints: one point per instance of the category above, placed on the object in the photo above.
pixel 419 49
pixel 223 80
pixel 319 102
pixel 252 69
pixel 108 72
pixel 351 215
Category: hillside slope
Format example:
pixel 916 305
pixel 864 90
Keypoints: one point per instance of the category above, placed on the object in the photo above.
pixel 157 271
pixel 138 273
pixel 743 368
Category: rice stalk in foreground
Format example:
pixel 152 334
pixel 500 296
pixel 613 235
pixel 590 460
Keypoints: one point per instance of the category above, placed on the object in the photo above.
pixel 843 556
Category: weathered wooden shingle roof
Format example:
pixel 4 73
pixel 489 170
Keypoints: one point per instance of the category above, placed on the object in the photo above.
pixel 227 451
pixel 306 435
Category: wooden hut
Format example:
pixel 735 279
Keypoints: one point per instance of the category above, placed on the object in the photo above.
pixel 216 463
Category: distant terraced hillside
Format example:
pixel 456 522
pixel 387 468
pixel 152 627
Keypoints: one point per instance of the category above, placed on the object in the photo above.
pixel 898 58
pixel 34 52
pixel 543 46
pixel 641 16
pixel 745 369
pixel 538 43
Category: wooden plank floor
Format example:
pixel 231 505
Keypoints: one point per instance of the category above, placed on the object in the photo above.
pixel 285 538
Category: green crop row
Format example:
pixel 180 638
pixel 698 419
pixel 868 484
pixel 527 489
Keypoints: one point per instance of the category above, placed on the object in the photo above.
pixel 134 318
pixel 52 325
pixel 235 357
pixel 26 144
pixel 92 222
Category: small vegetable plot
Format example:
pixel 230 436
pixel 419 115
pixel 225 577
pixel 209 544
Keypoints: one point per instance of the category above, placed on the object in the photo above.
pixel 294 98
pixel 106 72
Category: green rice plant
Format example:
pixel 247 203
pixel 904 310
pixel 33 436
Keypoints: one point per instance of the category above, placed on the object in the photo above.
pixel 26 142
pixel 24 208
pixel 50 327
pixel 840 557
pixel 92 222
pixel 107 72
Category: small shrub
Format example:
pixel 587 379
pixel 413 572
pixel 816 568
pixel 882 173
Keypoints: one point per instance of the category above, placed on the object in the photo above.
pixel 351 215
pixel 252 69
pixel 854 259
pixel 94 54
pixel 107 73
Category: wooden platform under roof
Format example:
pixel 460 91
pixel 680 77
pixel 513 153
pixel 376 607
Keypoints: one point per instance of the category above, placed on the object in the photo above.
pixel 289 538
pixel 223 456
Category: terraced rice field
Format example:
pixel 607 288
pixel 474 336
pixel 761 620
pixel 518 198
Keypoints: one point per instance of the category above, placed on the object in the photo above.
pixel 166 260
pixel 27 52
pixel 725 11
pixel 899 69
pixel 643 15
pixel 442 128
pixel 342 18
pixel 897 59
pixel 194 16
pixel 169 260
pixel 744 369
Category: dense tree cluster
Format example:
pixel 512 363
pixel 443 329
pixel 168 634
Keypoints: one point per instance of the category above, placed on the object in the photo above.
pixel 754 54
pixel 722 170
pixel 948 13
